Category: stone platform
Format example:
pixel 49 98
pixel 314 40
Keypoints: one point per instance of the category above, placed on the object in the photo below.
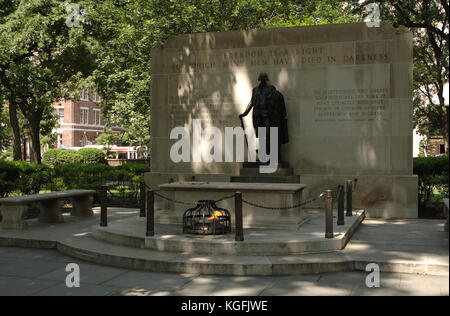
pixel 266 194
pixel 169 238
pixel 399 246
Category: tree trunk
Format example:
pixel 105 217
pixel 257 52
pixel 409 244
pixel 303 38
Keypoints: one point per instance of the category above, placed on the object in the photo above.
pixel 17 150
pixel 35 127
pixel 445 129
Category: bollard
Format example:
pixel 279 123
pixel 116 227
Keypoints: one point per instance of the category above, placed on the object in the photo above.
pixel 340 220
pixel 150 213
pixel 349 197
pixel 329 214
pixel 104 206
pixel 238 215
pixel 142 199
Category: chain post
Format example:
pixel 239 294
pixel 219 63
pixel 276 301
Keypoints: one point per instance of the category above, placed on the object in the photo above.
pixel 349 197
pixel 142 199
pixel 340 220
pixel 238 215
pixel 150 213
pixel 104 206
pixel 329 214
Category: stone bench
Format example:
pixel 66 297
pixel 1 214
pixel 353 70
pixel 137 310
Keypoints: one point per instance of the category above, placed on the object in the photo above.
pixel 266 194
pixel 14 208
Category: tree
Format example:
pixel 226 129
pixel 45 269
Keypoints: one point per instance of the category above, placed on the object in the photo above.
pixel 5 135
pixel 428 20
pixel 6 8
pixel 108 138
pixel 124 32
pixel 41 55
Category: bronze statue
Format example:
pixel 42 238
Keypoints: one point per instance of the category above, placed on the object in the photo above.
pixel 269 110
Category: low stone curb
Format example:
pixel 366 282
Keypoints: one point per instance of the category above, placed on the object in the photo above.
pixel 242 265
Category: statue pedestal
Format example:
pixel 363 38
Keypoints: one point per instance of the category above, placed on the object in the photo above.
pixel 250 173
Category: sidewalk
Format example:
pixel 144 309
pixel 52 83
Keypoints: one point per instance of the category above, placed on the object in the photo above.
pixel 41 272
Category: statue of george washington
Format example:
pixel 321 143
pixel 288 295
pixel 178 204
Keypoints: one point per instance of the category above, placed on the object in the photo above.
pixel 269 110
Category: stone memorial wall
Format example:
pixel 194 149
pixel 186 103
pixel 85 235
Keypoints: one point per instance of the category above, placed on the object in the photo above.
pixel 348 94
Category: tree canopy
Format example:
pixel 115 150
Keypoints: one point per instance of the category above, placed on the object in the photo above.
pixel 43 59
pixel 428 20
pixel 40 56
pixel 124 33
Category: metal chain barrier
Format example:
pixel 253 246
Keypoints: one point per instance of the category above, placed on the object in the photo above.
pixel 238 200
pixel 188 203
pixel 225 198
pixel 175 201
pixel 306 202
pixel 185 203
pixel 309 201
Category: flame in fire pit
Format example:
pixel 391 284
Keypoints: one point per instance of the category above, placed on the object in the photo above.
pixel 215 215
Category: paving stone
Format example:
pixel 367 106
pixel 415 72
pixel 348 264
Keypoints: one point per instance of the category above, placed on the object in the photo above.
pixel 89 273
pixel 149 282
pixel 309 285
pixel 29 268
pixel 83 290
pixel 225 286
pixel 19 286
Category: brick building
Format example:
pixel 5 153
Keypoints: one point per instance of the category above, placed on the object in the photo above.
pixel 81 121
pixel 436 146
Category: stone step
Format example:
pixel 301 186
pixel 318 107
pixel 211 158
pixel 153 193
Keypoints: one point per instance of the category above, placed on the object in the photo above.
pixel 309 238
pixel 91 250
pixel 95 251
pixel 266 179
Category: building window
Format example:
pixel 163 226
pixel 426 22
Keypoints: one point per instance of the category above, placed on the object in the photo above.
pixel 84 116
pixel 97 117
pixel 84 140
pixel 60 140
pixel 97 98
pixel 442 148
pixel 60 115
pixel 84 95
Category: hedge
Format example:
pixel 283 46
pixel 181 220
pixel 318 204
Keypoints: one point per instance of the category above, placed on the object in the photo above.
pixel 433 175
pixel 24 178
pixel 92 155
pixel 55 157
pixel 21 177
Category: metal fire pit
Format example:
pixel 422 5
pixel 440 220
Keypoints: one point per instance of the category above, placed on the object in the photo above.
pixel 206 219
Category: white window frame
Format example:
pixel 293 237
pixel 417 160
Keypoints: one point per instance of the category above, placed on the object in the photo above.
pixel 97 117
pixel 60 117
pixel 84 114
pixel 84 95
pixel 97 98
